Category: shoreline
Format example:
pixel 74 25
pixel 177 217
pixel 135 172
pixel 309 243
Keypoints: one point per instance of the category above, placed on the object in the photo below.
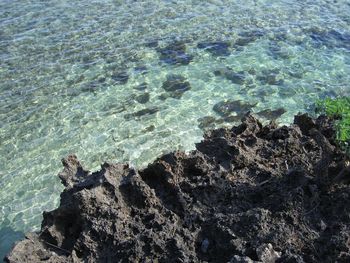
pixel 251 193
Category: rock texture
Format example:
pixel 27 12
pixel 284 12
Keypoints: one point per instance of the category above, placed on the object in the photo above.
pixel 247 194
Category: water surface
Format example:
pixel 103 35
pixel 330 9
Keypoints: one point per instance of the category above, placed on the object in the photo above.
pixel 129 80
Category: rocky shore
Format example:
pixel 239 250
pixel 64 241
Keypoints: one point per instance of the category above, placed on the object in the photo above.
pixel 252 193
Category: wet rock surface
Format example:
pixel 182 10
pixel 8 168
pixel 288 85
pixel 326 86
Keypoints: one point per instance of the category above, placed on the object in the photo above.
pixel 246 194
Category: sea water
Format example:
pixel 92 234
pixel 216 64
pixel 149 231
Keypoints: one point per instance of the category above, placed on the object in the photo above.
pixel 125 81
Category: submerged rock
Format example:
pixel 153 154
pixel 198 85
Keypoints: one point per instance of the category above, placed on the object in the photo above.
pixel 141 87
pixel 276 51
pixel 247 37
pixel 140 113
pixel 206 122
pixel 149 129
pixel 141 69
pixel 163 96
pixel 120 77
pixel 176 85
pixel 272 114
pixel 152 44
pixel 234 77
pixel 217 48
pixel 242 190
pixel 243 41
pixel 270 77
pixel 331 38
pixel 256 33
pixel 143 98
pixel 92 87
pixel 175 53
pixel 227 107
pixel 235 118
pixel 287 92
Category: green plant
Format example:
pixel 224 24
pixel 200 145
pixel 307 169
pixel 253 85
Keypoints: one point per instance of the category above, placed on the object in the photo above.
pixel 338 108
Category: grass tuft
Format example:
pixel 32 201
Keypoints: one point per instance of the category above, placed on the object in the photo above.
pixel 339 109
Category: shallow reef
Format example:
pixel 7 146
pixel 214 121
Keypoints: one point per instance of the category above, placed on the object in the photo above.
pixel 251 193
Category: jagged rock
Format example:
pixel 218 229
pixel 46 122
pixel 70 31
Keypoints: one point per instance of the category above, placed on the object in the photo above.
pixel 243 192
pixel 305 123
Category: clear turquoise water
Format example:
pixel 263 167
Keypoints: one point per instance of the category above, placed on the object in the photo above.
pixel 61 93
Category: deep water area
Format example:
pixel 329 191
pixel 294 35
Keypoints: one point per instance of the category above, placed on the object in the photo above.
pixel 127 81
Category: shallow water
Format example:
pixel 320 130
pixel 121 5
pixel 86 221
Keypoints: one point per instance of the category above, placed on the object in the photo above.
pixel 90 78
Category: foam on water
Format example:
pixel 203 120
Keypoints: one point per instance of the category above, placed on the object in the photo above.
pixel 69 74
